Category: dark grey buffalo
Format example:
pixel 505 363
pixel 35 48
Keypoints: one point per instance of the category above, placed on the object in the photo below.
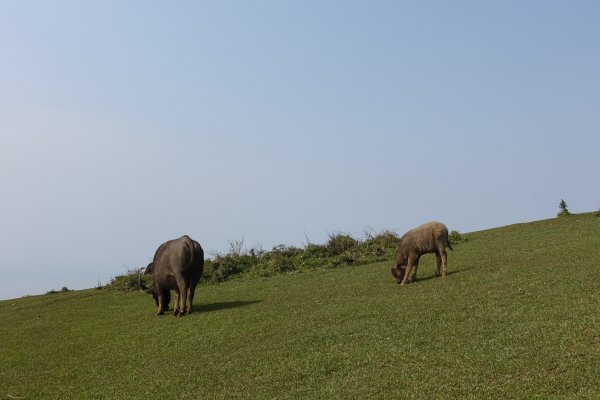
pixel 177 265
pixel 431 237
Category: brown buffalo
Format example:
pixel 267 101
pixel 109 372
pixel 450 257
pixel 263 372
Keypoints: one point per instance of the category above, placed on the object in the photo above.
pixel 431 237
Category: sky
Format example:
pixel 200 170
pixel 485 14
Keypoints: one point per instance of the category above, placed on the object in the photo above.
pixel 124 124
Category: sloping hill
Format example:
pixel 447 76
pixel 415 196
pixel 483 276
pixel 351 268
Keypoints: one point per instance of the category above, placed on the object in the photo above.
pixel 518 317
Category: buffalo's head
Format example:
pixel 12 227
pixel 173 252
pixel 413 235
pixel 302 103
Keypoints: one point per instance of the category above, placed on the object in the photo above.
pixel 398 272
pixel 149 268
pixel 166 296
pixel 152 290
pixel 154 294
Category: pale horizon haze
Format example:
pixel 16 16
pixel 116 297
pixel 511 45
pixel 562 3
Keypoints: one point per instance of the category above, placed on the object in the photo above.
pixel 124 124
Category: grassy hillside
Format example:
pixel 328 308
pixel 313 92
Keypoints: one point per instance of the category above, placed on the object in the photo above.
pixel 518 317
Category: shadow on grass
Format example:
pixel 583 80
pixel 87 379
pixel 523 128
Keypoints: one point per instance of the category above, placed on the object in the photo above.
pixel 450 273
pixel 204 308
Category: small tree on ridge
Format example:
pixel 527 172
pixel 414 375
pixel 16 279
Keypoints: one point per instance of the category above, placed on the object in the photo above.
pixel 564 211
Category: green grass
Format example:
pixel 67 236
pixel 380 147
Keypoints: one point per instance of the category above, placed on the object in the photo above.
pixel 517 318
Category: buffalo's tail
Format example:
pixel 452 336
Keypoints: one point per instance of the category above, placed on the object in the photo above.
pixel 448 244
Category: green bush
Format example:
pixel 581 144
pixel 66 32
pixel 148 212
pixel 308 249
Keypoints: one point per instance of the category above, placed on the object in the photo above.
pixel 316 251
pixel 280 259
pixel 222 267
pixel 384 238
pixel 64 289
pixel 130 280
pixel 564 211
pixel 456 237
pixel 340 243
pixel 380 247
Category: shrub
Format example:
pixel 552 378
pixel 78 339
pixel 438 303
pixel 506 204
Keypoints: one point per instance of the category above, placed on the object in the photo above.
pixel 456 237
pixel 340 243
pixel 280 259
pixel 379 247
pixel 129 281
pixel 315 251
pixel 64 289
pixel 313 256
pixel 222 267
pixel 384 238
pixel 343 260
pixel 564 211
pixel 234 262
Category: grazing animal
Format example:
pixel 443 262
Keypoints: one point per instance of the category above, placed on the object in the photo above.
pixel 152 291
pixel 177 265
pixel 148 269
pixel 431 237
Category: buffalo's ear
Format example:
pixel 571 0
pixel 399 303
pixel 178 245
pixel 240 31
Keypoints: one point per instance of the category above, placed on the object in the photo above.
pixel 149 268
pixel 394 272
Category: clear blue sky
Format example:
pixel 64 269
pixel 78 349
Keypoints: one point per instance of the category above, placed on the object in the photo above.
pixel 127 123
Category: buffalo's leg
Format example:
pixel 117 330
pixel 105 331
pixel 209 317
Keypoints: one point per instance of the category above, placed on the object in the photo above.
pixel 414 277
pixel 183 295
pixel 409 267
pixel 183 291
pixel 444 258
pixel 407 271
pixel 191 298
pixel 188 304
pixel 176 303
pixel 438 258
pixel 161 303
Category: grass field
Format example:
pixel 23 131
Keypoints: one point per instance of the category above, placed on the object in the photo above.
pixel 517 318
